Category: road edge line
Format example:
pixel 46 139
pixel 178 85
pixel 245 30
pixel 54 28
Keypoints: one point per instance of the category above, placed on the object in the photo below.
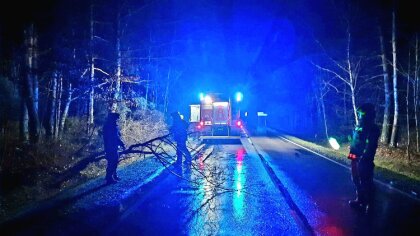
pixel 383 184
pixel 283 190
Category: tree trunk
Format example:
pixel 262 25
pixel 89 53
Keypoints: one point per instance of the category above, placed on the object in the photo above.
pixel 58 113
pixel 324 115
pixel 147 92
pixel 118 74
pixel 416 93
pixel 52 106
pixel 92 75
pixel 30 82
pixel 23 121
pixel 395 87
pixel 148 72
pixel 346 118
pixel 407 105
pixel 387 106
pixel 353 103
pixel 66 107
pixel 351 78
pixel 165 102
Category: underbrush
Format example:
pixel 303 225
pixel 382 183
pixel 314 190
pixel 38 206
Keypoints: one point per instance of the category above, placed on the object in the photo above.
pixel 28 172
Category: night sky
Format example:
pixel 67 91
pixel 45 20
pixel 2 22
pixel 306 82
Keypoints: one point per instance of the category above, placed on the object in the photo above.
pixel 317 16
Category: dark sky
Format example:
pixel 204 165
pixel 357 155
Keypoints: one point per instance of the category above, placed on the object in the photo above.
pixel 19 11
pixel 46 12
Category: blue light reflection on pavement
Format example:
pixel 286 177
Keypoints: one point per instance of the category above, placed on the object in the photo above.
pixel 240 179
pixel 235 197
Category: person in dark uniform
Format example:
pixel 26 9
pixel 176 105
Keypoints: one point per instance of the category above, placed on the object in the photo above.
pixel 179 130
pixel 112 141
pixel 362 152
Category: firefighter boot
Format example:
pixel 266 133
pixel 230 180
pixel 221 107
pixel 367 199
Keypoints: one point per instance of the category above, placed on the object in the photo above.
pixel 357 203
pixel 369 206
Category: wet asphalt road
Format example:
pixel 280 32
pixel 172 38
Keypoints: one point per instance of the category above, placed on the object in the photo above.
pixel 322 189
pixel 234 197
pixel 232 192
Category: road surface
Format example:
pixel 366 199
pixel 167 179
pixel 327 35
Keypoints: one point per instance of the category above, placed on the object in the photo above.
pixel 262 186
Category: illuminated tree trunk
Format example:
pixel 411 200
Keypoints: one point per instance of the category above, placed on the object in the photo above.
pixel 345 105
pixel 58 110
pixel 165 102
pixel 148 72
pixel 407 107
pixel 416 93
pixel 52 106
pixel 352 80
pixel 118 74
pixel 30 86
pixel 386 121
pixel 147 92
pixel 324 116
pixel 321 89
pixel 66 107
pixel 395 87
pixel 90 119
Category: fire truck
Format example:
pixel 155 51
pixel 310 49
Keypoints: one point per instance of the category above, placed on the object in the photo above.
pixel 217 115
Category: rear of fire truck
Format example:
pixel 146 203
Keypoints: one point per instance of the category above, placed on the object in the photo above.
pixel 216 117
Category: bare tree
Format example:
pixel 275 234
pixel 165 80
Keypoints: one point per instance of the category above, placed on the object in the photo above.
pixel 30 83
pixel 118 72
pixel 58 106
pixel 52 105
pixel 387 106
pixel 347 72
pixel 408 107
pixel 395 83
pixel 416 91
pixel 23 118
pixel 90 119
pixel 323 87
pixel 69 99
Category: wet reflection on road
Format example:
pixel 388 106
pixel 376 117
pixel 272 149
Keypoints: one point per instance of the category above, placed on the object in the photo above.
pixel 239 182
pixel 228 192
pixel 229 201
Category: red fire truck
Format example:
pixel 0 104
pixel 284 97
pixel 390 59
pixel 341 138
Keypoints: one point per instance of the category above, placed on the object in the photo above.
pixel 217 115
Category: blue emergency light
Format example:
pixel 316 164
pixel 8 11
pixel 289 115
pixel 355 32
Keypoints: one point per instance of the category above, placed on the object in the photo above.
pixel 239 96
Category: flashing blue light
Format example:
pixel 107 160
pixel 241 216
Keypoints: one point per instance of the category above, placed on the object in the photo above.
pixel 201 95
pixel 208 99
pixel 334 144
pixel 239 96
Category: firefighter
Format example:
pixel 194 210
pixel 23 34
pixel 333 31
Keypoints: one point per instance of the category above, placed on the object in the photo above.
pixel 179 130
pixel 112 141
pixel 362 152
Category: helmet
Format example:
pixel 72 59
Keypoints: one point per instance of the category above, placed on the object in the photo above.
pixel 366 112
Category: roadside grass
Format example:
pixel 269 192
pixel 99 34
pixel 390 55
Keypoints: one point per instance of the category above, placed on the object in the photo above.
pixel 391 164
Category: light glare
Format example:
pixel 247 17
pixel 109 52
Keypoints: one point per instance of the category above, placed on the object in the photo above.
pixel 334 144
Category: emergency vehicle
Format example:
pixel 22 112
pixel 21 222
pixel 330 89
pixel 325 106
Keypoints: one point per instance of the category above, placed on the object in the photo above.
pixel 217 115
